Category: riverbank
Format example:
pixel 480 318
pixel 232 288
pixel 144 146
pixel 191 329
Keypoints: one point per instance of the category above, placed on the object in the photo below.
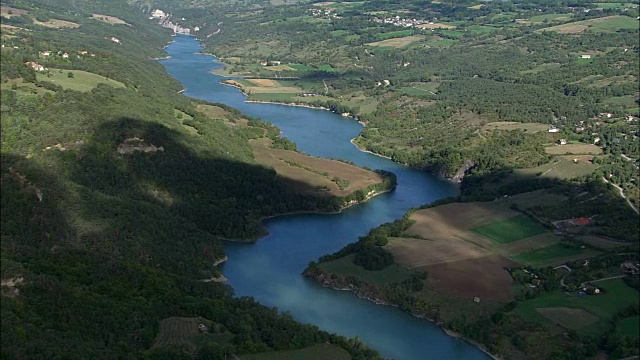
pixel 367 151
pixel 318 212
pixel 374 297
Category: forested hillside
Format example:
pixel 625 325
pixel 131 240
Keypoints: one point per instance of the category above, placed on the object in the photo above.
pixel 116 193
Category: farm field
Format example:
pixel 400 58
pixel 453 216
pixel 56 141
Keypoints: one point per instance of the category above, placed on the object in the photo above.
pixel 604 24
pixel 313 175
pixel 615 5
pixel 573 149
pixel 314 352
pixel 57 24
pixel 466 246
pixel 81 81
pixel 484 277
pixel 510 230
pixel 573 319
pixel 562 167
pixel 109 19
pixel 183 331
pixel 617 297
pixel 512 125
pixel 435 26
pixel 553 255
pixel 398 42
pixel 550 17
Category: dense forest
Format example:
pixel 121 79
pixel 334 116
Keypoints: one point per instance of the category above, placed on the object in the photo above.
pixel 113 210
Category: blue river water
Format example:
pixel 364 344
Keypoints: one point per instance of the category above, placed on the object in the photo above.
pixel 270 269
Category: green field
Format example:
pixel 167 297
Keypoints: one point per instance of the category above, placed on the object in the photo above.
pixel 629 327
pixel 510 230
pixel 327 67
pixel 613 5
pixel 627 100
pixel 618 296
pixel 314 352
pixel 439 42
pixel 543 255
pixel 300 67
pixel 456 34
pixel 394 34
pixel 415 91
pixel 480 29
pixel 615 24
pixel 81 80
pixel 585 61
pixel 550 17
pixel 559 168
pixel 345 266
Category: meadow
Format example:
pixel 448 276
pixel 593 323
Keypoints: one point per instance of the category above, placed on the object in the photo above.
pixel 603 306
pixel 80 80
pixel 509 230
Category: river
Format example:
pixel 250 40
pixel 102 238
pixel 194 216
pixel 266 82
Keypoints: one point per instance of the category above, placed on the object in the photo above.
pixel 270 269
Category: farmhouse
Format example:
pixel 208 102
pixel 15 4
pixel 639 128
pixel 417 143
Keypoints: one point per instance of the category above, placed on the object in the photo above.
pixel 114 39
pixel 158 14
pixel 630 268
pixel 45 53
pixel 203 328
pixel 585 56
pixel 562 142
pixel 275 62
pixel 35 66
pixel 553 129
pixel 65 56
pixel 263 63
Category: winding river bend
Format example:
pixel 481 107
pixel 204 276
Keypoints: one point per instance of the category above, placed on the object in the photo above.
pixel 270 269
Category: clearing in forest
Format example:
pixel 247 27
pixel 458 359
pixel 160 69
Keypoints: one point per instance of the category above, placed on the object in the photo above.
pixel 109 19
pixel 56 24
pixel 573 149
pixel 313 175
pixel 603 24
pixel 8 11
pixel 398 42
pixel 435 26
pixel 561 167
pixel 512 125
pixel 79 80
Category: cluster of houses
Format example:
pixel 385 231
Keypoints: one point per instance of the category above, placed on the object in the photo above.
pixel 270 63
pixel 535 281
pixel 64 54
pixel 35 66
pixel 324 12
pixel 402 22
